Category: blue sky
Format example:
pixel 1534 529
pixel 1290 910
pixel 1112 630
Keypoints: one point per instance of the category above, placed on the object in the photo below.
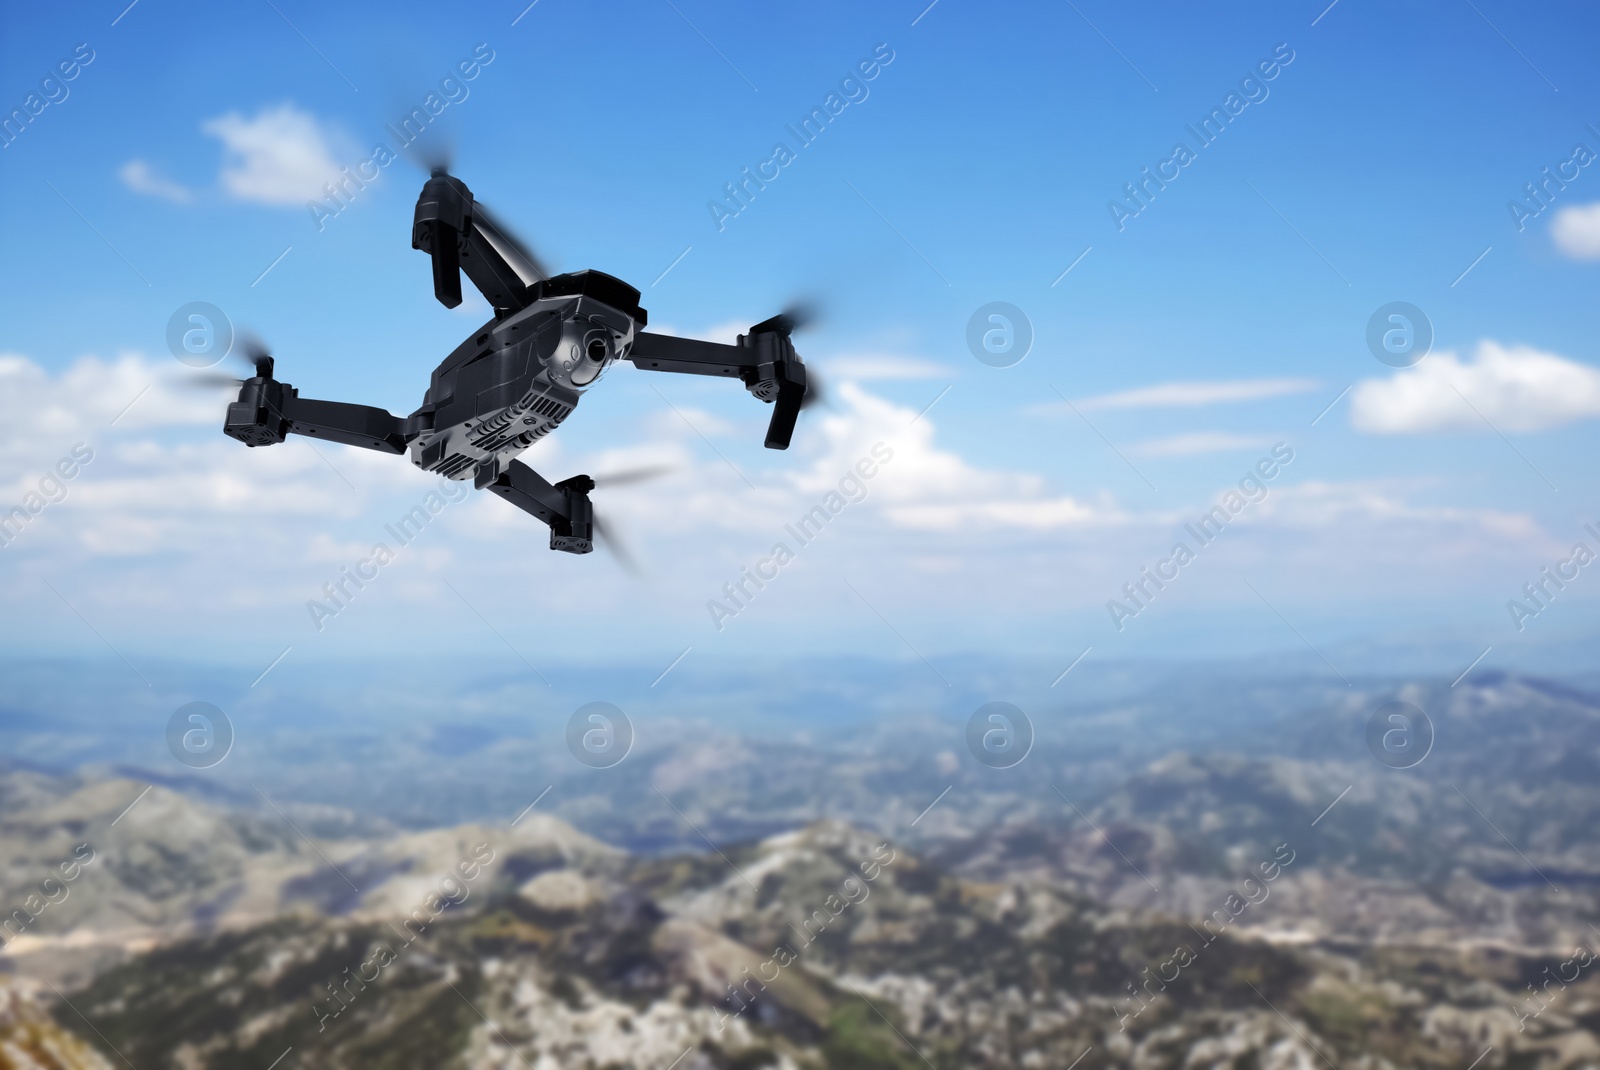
pixel 1376 166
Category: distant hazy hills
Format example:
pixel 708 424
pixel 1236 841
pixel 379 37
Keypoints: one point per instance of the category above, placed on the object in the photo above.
pixel 1503 810
pixel 150 865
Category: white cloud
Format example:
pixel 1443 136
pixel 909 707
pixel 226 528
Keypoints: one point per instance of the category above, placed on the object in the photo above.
pixel 727 332
pixel 1576 231
pixel 1199 442
pixel 933 489
pixel 281 156
pixel 924 487
pixel 155 484
pixel 140 177
pixel 673 421
pixel 870 366
pixel 1173 395
pixel 1515 389
pixel 40 411
pixel 175 530
pixel 1318 504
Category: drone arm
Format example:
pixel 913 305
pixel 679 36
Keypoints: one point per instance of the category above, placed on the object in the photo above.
pixel 665 353
pixel 564 506
pixel 354 425
pixel 269 411
pixel 765 360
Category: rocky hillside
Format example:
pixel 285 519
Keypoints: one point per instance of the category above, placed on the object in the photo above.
pixel 31 1040
pixel 94 870
pixel 825 947
pixel 1290 903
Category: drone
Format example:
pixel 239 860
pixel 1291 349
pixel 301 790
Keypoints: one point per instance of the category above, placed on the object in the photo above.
pixel 517 377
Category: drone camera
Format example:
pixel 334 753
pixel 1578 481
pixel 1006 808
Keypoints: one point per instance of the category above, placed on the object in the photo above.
pixel 586 371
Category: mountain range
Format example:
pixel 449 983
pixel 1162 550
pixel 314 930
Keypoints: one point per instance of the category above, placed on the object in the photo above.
pixel 1287 901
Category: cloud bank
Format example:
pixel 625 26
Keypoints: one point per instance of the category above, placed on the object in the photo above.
pixel 1515 389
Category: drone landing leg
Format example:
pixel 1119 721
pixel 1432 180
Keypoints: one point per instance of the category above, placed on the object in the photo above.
pixel 564 506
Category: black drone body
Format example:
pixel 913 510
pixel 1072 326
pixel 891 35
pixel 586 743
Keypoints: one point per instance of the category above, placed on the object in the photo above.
pixel 516 378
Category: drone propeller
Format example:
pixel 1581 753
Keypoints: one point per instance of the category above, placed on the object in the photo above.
pixel 249 349
pixel 605 535
pixel 435 156
pixel 797 317
pixel 816 392
pixel 800 315
pixel 623 477
pixel 509 245
pixel 256 352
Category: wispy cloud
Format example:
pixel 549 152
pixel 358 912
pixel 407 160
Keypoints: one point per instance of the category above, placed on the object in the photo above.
pixel 281 156
pixel 1513 389
pixel 1200 442
pixel 1195 394
pixel 140 177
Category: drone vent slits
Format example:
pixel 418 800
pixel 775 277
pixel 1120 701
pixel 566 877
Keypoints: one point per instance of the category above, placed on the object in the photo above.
pixel 453 465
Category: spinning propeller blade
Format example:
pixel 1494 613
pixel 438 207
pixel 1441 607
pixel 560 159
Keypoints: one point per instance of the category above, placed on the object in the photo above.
pixel 248 349
pixel 797 317
pixel 800 315
pixel 434 157
pixel 605 534
pixel 253 349
pixel 513 248
pixel 816 392
pixel 623 477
